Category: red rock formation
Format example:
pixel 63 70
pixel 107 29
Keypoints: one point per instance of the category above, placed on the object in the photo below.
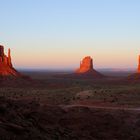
pixel 135 77
pixel 85 65
pixel 6 68
pixel 138 71
pixel 86 69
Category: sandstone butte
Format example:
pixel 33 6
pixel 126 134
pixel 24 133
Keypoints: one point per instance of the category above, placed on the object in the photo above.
pixel 85 65
pixel 138 70
pixel 6 67
pixel 86 68
pixel 135 77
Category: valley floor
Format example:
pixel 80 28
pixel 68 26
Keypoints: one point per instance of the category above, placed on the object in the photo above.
pixel 55 108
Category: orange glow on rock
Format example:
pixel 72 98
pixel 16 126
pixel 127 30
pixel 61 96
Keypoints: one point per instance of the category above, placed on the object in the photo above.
pixel 6 68
pixel 85 65
pixel 138 65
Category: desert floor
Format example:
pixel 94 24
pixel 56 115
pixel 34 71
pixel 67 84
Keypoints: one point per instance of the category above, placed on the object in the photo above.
pixel 49 106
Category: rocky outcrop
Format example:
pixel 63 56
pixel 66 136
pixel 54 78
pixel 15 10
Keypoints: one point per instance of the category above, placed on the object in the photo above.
pixel 6 67
pixel 85 65
pixel 86 69
pixel 135 77
pixel 138 71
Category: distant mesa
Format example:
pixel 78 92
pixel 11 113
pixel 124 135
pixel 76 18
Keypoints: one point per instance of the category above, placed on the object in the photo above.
pixel 86 69
pixel 6 67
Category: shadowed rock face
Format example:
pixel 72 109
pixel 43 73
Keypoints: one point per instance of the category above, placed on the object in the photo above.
pixel 6 68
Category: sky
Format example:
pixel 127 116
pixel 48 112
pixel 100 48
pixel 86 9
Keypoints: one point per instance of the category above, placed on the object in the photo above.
pixel 57 34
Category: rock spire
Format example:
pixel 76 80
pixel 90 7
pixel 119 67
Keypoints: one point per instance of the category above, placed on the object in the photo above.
pixel 6 68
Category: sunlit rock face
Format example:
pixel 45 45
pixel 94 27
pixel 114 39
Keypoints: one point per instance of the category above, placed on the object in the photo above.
pixel 6 68
pixel 86 69
pixel 138 70
pixel 86 65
